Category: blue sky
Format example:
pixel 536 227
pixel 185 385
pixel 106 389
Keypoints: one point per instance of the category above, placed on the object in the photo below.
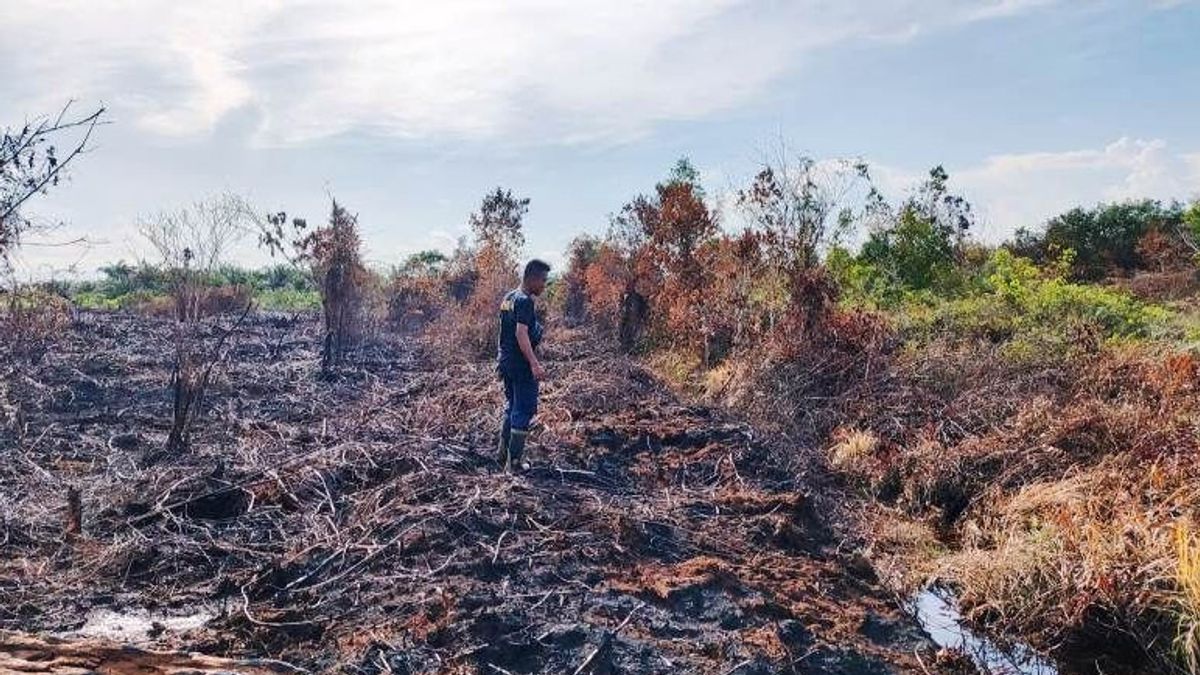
pixel 409 112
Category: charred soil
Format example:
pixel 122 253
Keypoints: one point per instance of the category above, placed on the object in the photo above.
pixel 359 523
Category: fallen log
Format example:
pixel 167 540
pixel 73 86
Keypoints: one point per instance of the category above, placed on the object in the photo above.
pixel 22 653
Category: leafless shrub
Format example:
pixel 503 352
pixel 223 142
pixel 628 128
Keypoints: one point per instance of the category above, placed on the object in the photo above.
pixel 197 353
pixel 191 243
pixel 802 206
pixel 30 163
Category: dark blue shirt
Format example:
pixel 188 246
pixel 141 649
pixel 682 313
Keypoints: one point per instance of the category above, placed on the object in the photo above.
pixel 517 307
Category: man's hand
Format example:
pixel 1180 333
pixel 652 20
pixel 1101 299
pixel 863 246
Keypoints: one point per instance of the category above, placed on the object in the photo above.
pixel 527 349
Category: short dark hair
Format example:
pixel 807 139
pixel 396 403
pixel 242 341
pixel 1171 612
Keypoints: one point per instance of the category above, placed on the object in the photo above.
pixel 536 268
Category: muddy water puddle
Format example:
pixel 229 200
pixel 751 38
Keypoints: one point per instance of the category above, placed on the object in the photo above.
pixel 937 611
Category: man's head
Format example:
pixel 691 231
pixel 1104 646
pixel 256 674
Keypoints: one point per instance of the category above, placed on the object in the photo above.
pixel 534 278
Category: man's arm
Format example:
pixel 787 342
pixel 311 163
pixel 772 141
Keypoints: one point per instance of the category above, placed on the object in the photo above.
pixel 527 349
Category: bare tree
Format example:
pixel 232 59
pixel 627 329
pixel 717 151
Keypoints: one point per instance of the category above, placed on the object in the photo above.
pixel 31 163
pixel 802 206
pixel 191 243
pixel 1187 227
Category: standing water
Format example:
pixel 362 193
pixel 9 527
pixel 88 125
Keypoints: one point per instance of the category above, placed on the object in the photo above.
pixel 937 611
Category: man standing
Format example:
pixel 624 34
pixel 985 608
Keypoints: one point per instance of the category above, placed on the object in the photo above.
pixel 520 334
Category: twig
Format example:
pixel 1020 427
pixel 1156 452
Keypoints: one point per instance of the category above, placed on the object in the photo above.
pixel 608 638
pixel 917 653
pixel 739 666
pixel 499 541
pixel 259 622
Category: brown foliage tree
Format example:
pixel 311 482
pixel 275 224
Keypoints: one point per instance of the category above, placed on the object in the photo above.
pixel 497 226
pixel 663 238
pixel 480 274
pixel 737 264
pixel 1162 251
pixel 334 253
pixel 667 272
pixel 581 253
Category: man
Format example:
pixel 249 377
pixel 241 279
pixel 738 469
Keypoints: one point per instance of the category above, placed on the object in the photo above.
pixel 518 364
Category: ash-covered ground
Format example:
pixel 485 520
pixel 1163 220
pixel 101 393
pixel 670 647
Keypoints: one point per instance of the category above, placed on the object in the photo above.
pixel 360 523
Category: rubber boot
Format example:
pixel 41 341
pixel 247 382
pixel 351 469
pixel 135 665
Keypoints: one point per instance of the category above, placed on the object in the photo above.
pixel 516 450
pixel 502 446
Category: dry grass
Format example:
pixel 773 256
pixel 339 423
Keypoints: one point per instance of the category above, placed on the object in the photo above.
pixel 1187 578
pixel 31 320
pixel 852 448
pixel 1047 487
pixel 1060 487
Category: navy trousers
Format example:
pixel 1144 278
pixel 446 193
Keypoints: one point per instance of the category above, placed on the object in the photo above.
pixel 520 396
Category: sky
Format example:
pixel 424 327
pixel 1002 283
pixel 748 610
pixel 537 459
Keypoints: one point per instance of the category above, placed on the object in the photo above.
pixel 409 112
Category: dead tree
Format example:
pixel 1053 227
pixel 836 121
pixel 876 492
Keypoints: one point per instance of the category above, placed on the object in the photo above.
pixel 74 521
pixel 634 312
pixel 191 243
pixel 31 163
pixel 333 255
pixel 191 374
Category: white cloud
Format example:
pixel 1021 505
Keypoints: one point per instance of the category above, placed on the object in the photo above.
pixel 526 70
pixel 1169 4
pixel 1014 190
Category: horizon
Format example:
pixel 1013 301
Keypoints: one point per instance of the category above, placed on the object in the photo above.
pixel 408 114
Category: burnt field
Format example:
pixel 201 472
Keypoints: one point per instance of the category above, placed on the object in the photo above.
pixel 360 524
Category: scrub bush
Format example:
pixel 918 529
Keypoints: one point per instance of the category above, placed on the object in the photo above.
pixel 1018 300
pixel 479 276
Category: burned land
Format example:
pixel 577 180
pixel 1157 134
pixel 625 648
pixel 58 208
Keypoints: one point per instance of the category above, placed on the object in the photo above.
pixel 359 522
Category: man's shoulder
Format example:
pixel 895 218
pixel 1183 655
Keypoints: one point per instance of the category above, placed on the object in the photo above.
pixel 513 299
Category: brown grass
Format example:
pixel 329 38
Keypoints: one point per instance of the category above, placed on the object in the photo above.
pixel 852 448
pixel 30 322
pixel 1060 487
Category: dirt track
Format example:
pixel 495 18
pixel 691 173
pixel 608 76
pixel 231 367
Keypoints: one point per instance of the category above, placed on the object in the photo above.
pixel 361 525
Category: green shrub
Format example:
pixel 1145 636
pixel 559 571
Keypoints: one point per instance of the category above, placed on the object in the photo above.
pixel 1105 238
pixel 288 300
pixel 1020 301
pixel 914 254
pixel 122 286
pixel 95 300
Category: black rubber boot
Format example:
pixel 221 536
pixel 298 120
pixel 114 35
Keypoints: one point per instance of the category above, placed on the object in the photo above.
pixel 516 450
pixel 502 448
